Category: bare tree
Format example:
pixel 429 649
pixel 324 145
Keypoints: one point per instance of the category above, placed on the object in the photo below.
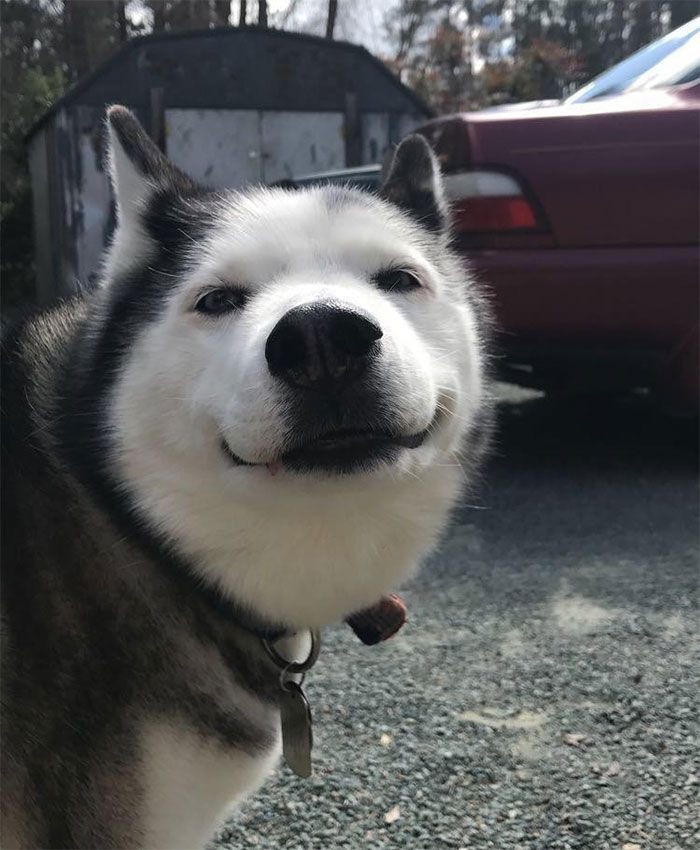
pixel 75 27
pixel 282 18
pixel 222 12
pixel 404 22
pixel 332 15
pixel 262 13
pixel 120 15
pixel 159 10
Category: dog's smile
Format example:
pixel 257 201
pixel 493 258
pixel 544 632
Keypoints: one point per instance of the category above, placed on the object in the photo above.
pixel 341 451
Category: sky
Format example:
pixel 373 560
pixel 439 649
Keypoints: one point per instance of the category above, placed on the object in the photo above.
pixel 361 21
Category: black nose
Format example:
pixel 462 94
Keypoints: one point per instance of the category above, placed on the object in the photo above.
pixel 322 346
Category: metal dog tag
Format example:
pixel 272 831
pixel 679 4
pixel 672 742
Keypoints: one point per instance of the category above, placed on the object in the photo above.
pixel 297 737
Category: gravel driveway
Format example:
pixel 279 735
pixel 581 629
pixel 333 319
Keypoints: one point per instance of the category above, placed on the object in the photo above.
pixel 545 692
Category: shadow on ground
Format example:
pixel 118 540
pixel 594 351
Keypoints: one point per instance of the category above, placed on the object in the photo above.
pixel 591 434
pixel 598 479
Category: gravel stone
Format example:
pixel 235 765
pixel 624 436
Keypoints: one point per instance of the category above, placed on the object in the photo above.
pixel 563 602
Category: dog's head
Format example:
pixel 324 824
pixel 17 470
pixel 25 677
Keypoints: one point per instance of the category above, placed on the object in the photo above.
pixel 298 373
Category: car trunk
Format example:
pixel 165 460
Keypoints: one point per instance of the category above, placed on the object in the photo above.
pixel 613 172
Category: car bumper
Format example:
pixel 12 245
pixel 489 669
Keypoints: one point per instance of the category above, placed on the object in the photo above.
pixel 625 311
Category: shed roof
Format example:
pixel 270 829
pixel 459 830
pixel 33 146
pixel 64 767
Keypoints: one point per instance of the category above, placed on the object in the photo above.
pixel 241 68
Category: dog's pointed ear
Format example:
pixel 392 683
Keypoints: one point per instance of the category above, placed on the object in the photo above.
pixel 137 168
pixel 413 182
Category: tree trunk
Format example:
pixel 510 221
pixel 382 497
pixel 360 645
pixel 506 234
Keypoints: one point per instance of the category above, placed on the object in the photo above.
pixel 159 15
pixel 120 15
pixel 242 14
pixel 641 26
pixel 199 14
pixel 614 44
pixel 76 34
pixel 222 12
pixel 262 13
pixel 332 14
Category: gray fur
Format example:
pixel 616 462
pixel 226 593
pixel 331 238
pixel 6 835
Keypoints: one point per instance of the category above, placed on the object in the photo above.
pixel 95 636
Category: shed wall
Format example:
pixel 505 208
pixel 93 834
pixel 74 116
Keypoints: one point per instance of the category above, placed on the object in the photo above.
pixel 298 142
pixel 219 148
pixel 84 211
pixel 240 107
pixel 232 148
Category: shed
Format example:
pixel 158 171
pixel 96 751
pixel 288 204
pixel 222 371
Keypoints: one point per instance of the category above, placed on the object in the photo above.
pixel 231 106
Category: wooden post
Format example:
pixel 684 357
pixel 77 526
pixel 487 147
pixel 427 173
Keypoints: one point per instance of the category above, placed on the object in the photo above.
pixel 120 12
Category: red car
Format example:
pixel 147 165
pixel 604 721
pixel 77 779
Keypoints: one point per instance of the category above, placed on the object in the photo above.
pixel 583 219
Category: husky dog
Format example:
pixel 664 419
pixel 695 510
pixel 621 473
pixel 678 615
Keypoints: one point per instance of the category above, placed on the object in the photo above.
pixel 254 426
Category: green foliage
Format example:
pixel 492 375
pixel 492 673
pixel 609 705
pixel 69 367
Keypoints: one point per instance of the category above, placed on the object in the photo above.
pixel 441 73
pixel 29 95
pixel 454 53
pixel 46 45
pixel 32 78
pixel 172 15
pixel 450 51
pixel 541 71
pixel 33 93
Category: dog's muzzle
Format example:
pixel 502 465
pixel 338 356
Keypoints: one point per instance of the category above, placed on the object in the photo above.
pixel 322 348
pixel 325 357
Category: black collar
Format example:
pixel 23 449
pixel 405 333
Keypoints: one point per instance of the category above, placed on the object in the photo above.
pixel 223 606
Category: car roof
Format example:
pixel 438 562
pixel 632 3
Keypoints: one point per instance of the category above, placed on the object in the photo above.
pixel 341 172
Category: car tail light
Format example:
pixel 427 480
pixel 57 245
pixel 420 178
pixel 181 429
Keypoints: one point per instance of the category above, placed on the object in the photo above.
pixel 489 201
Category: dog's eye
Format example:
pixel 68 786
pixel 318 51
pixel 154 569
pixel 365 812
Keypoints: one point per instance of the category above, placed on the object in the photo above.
pixel 216 302
pixel 396 280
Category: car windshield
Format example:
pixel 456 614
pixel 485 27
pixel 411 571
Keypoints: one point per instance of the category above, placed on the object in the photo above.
pixel 682 66
pixel 656 63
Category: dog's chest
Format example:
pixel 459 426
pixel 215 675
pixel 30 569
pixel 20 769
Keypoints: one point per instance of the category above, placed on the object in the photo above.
pixel 192 780
pixel 191 783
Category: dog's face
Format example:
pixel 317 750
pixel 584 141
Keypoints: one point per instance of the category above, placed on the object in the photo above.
pixel 302 371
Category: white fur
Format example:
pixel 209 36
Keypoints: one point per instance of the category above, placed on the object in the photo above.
pixel 190 784
pixel 303 550
pixel 130 244
pixel 300 549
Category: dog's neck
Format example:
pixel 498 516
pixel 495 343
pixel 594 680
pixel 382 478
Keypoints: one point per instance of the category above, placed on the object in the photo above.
pixel 219 604
pixel 74 428
pixel 84 444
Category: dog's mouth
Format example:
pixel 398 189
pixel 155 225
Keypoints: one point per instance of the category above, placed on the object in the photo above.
pixel 341 451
